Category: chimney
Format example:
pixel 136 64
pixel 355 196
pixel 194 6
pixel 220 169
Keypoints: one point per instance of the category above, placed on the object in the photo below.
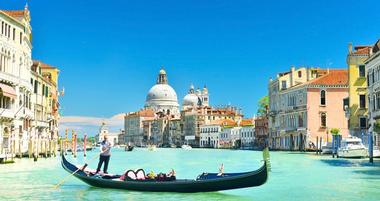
pixel 292 69
pixel 350 47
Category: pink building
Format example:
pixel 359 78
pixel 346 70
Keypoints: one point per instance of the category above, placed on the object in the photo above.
pixel 325 109
pixel 307 109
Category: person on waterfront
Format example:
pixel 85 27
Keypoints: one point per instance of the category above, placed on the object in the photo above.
pixel 105 155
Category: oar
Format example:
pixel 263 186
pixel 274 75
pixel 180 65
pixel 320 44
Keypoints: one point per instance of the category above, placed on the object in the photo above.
pixel 66 178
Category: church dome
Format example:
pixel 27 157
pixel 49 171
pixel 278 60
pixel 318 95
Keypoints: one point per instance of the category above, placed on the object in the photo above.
pixel 162 97
pixel 163 93
pixel 190 100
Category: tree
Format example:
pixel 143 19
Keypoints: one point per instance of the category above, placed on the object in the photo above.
pixel 335 131
pixel 263 104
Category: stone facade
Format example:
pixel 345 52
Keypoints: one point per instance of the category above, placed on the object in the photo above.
pixel 372 65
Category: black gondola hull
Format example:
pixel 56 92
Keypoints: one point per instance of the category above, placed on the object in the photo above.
pixel 241 180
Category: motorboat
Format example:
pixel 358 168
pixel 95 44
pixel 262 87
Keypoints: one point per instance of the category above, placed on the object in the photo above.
pixel 352 148
pixel 327 148
pixel 186 147
pixel 376 152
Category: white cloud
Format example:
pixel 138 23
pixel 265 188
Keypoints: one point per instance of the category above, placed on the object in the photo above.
pixel 90 125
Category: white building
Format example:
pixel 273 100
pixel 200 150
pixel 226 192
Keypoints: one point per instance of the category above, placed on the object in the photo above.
pixel 209 137
pixel 247 136
pixel 229 137
pixel 372 65
pixel 15 62
pixel 113 138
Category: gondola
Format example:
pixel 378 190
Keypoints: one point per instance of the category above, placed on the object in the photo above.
pixel 129 148
pixel 204 183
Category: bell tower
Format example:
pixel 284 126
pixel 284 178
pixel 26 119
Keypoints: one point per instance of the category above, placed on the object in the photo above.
pixel 162 78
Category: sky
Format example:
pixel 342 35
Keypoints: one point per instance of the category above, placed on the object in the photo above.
pixel 110 52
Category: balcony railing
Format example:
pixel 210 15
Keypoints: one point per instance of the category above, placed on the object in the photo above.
pixel 8 77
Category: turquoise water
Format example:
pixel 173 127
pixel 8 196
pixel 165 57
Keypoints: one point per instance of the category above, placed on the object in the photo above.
pixel 294 176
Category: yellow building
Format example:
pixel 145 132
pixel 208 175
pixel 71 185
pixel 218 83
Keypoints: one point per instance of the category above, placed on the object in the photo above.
pixel 45 105
pixel 357 102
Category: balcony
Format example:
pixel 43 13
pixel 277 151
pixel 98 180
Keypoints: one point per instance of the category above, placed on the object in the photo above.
pixel 8 77
pixel 6 113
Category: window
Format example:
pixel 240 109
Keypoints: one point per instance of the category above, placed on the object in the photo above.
pixel 323 97
pixel 299 74
pixel 362 101
pixel 35 86
pixel 300 120
pixel 373 103
pixel 346 103
pixel 361 70
pixel 323 120
pixel 43 89
pixel 368 79
pixel 363 122
pixel 283 84
pixel 373 77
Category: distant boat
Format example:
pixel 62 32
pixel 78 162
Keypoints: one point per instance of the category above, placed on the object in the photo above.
pixel 186 147
pixel 152 148
pixel 352 148
pixel 376 152
pixel 129 148
pixel 327 148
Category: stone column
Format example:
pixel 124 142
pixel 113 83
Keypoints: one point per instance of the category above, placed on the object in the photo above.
pixel 1 61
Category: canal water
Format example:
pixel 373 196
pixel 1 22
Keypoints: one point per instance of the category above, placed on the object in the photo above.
pixel 294 176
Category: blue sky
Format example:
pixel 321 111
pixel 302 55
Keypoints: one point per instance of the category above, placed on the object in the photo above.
pixel 110 52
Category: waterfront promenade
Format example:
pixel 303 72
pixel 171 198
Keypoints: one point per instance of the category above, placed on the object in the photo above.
pixel 294 176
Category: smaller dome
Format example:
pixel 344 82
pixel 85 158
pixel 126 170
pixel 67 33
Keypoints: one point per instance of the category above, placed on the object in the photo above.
pixel 162 72
pixel 198 92
pixel 190 100
pixel 205 90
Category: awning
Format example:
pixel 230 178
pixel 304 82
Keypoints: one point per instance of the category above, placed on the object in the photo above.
pixel 7 91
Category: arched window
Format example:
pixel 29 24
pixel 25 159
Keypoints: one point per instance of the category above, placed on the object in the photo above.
pixel 323 97
pixel 323 119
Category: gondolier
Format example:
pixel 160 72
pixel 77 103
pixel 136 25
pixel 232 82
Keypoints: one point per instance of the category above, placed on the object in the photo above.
pixel 105 155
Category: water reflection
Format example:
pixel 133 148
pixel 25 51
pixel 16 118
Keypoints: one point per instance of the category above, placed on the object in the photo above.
pixel 91 193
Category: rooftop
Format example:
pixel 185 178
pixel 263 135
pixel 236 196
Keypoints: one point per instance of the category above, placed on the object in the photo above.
pixel 14 13
pixel 333 77
pixel 362 50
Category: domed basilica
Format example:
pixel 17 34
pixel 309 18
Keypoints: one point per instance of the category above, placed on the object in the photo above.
pixel 162 97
